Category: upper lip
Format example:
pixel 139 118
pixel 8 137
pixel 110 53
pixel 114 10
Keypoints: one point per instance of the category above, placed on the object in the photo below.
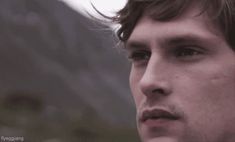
pixel 158 113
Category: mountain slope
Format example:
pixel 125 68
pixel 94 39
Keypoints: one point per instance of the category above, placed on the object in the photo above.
pixel 66 60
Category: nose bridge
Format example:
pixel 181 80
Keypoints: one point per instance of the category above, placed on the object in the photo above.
pixel 156 78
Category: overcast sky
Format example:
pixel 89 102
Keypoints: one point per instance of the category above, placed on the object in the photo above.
pixel 107 7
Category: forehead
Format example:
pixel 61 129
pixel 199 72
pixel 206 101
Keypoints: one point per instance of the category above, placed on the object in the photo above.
pixel 191 23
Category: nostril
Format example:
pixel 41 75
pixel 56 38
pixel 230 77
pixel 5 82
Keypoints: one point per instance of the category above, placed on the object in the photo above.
pixel 155 88
pixel 159 91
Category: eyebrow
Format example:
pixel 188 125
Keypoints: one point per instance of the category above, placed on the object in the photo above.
pixel 169 41
pixel 135 44
pixel 184 39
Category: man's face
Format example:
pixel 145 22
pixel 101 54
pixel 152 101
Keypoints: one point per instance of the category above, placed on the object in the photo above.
pixel 182 80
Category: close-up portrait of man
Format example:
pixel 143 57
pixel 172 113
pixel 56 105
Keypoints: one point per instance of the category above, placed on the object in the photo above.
pixel 63 76
pixel 183 68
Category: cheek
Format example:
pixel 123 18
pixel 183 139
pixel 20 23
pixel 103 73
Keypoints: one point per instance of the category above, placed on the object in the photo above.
pixel 216 87
pixel 210 84
pixel 208 99
pixel 134 86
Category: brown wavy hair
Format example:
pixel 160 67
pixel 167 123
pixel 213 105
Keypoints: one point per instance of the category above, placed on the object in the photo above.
pixel 221 12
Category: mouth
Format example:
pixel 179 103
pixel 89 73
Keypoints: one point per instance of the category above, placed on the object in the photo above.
pixel 161 121
pixel 157 115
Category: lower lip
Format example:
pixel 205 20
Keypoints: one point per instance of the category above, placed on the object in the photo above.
pixel 161 122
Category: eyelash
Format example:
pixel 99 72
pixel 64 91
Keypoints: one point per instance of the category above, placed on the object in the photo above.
pixel 187 52
pixel 139 55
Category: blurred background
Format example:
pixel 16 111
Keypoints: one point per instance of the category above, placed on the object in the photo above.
pixel 62 76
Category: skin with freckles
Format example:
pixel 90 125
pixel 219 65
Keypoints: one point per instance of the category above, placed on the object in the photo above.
pixel 186 67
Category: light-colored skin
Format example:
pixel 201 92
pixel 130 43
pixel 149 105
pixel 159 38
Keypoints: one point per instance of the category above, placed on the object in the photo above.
pixel 196 77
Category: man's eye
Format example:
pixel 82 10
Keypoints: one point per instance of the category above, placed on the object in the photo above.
pixel 137 56
pixel 186 52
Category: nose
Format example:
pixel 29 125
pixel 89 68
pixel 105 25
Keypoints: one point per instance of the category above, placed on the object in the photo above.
pixel 156 79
